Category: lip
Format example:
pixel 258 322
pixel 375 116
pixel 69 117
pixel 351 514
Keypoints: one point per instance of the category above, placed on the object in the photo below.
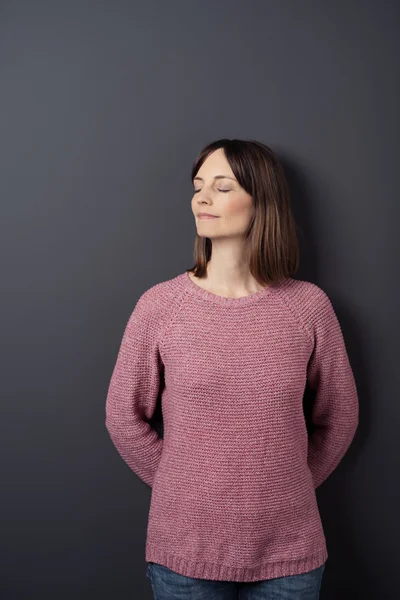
pixel 206 216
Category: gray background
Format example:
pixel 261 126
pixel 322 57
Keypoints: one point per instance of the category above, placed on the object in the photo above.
pixel 103 108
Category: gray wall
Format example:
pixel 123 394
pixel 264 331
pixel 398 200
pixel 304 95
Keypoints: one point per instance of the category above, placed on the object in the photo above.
pixel 103 107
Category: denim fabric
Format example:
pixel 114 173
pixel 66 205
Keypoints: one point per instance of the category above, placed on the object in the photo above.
pixel 168 585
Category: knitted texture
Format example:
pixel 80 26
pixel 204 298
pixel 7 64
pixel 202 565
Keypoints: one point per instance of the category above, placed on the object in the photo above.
pixel 233 479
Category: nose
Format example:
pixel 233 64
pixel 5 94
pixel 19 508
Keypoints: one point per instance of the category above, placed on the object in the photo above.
pixel 202 197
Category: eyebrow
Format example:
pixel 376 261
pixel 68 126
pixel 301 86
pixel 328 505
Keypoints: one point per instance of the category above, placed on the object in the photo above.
pixel 216 177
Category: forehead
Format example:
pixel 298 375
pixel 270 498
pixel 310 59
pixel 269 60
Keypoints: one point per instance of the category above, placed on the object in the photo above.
pixel 215 166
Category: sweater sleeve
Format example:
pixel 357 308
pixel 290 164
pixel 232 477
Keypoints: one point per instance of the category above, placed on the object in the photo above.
pixel 133 392
pixel 335 409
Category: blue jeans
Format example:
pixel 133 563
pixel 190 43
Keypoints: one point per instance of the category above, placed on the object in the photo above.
pixel 168 585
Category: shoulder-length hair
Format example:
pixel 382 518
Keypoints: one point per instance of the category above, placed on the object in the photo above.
pixel 271 244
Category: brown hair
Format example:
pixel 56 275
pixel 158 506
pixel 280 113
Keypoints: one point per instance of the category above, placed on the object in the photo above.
pixel 271 243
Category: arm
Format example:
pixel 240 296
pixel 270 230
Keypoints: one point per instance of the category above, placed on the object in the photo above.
pixel 335 409
pixel 133 392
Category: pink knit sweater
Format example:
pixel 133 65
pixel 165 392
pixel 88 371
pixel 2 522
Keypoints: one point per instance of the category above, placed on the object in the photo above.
pixel 233 479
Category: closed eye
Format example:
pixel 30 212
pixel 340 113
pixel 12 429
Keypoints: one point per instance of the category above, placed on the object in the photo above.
pixel 224 191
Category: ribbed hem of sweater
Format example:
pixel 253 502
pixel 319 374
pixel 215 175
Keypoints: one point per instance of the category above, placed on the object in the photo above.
pixel 218 572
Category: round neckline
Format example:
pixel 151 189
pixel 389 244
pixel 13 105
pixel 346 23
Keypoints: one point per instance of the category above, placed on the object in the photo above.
pixel 226 300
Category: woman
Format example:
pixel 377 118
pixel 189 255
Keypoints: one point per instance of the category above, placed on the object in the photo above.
pixel 229 345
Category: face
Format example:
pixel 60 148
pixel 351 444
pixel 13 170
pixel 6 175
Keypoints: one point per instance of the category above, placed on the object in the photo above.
pixel 220 196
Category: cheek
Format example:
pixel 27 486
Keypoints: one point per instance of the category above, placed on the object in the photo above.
pixel 238 207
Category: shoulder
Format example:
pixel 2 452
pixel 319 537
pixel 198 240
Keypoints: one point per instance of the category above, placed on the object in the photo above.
pixel 306 295
pixel 158 294
pixel 310 302
pixel 157 304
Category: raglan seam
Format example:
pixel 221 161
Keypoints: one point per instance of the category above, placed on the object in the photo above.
pixel 283 295
pixel 178 305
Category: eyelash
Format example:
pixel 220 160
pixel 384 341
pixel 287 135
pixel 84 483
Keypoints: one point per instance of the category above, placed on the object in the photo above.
pixel 224 191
